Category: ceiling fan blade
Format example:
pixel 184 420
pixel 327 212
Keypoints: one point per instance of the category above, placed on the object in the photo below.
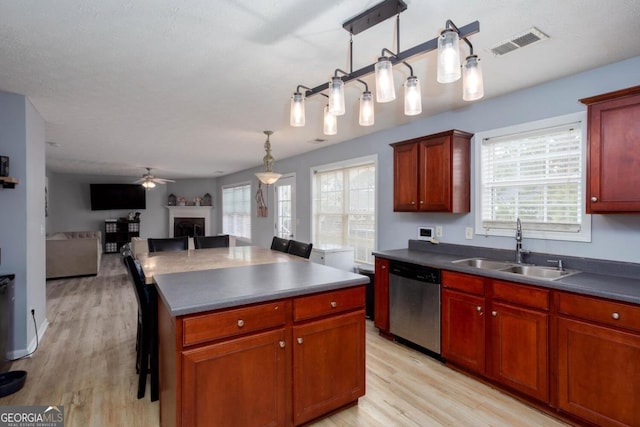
pixel 139 181
pixel 162 180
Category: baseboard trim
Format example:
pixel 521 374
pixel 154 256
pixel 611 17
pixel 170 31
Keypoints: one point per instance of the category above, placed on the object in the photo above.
pixel 42 329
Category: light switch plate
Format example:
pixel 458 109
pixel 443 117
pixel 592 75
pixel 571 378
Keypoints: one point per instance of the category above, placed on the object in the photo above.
pixel 468 233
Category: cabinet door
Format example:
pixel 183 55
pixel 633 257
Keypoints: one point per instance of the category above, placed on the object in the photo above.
pixel 598 373
pixel 463 326
pixel 405 177
pixel 520 349
pixel 614 159
pixel 235 383
pixel 381 295
pixel 434 187
pixel 328 365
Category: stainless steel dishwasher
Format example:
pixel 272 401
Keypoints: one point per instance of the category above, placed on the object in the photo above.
pixel 414 300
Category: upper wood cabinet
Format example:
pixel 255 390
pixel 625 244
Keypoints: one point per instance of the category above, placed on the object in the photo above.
pixel 613 161
pixel 431 173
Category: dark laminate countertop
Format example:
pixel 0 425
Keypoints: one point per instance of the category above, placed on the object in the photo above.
pixel 199 291
pixel 606 279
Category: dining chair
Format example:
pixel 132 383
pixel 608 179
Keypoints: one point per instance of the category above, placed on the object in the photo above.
pixel 279 244
pixel 300 249
pixel 168 244
pixel 204 242
pixel 147 349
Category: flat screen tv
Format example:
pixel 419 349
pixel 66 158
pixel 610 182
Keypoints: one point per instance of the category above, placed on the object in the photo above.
pixel 117 196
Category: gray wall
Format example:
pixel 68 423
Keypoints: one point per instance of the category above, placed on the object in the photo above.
pixel 613 236
pixel 70 203
pixel 22 218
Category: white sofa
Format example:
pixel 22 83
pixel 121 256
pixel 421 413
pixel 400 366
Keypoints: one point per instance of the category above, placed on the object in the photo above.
pixel 73 253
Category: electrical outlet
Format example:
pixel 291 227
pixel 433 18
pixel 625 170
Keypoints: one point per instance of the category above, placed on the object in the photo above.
pixel 438 231
pixel 32 311
pixel 468 233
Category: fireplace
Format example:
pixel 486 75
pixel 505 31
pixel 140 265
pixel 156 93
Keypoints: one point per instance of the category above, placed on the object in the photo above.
pixel 189 227
pixel 189 221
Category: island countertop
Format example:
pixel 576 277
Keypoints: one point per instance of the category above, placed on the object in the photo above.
pixel 205 290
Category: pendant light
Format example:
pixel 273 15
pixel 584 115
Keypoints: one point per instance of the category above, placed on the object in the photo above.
pixel 412 94
pixel 472 84
pixel 268 176
pixel 385 88
pixel 366 116
pixel 330 123
pixel 297 113
pixel 336 96
pixel 448 56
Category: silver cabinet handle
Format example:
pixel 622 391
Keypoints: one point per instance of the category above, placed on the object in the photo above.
pixel 240 323
pixel 300 340
pixel 478 308
pixel 494 313
pixel 615 315
pixel 422 202
pixel 594 199
pixel 334 304
pixel 282 344
pixel 413 203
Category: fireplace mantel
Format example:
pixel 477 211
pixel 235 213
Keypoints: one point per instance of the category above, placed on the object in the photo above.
pixel 190 212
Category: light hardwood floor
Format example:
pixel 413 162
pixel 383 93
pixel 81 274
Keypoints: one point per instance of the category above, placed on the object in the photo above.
pixel 86 363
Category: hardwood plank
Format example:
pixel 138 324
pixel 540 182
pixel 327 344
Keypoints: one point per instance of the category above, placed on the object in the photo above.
pixel 86 363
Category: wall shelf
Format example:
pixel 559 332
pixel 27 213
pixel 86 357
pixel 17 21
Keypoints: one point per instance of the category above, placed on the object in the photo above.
pixel 8 182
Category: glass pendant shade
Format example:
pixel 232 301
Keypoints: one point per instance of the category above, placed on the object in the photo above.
pixel 330 122
pixel 336 96
pixel 412 97
pixel 385 89
pixel 472 84
pixel 367 117
pixel 448 56
pixel 148 184
pixel 268 177
pixel 297 114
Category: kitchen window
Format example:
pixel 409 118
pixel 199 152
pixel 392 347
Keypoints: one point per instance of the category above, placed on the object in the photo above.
pixel 344 206
pixel 535 172
pixel 236 210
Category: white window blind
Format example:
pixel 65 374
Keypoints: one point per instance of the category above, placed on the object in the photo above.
pixel 236 210
pixel 535 176
pixel 344 208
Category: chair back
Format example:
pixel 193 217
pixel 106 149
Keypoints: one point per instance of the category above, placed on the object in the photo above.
pixel 204 242
pixel 280 244
pixel 168 244
pixel 300 249
pixel 145 294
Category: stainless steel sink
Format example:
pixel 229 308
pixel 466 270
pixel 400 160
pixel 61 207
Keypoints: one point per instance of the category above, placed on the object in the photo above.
pixel 483 263
pixel 538 272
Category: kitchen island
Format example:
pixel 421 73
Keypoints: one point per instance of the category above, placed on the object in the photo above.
pixel 270 344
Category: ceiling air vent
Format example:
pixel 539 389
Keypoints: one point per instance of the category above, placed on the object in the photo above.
pixel 526 38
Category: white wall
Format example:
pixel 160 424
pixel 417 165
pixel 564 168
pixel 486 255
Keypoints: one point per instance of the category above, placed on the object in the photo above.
pixel 22 217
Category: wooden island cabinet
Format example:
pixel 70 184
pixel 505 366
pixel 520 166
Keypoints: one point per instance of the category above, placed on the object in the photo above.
pixel 279 363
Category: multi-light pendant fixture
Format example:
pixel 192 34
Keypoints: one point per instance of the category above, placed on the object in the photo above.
pixel 449 70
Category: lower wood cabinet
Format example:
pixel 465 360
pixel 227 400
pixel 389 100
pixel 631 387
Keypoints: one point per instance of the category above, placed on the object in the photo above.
pixel 329 365
pixel 498 330
pixel 279 363
pixel 381 296
pixel 599 360
pixel 463 330
pixel 251 390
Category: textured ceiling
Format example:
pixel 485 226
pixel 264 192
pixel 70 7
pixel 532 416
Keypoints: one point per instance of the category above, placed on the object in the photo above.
pixel 187 87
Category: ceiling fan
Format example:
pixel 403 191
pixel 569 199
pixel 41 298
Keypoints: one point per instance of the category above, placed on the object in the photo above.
pixel 148 180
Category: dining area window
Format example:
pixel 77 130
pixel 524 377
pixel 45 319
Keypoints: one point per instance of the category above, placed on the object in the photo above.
pixel 236 210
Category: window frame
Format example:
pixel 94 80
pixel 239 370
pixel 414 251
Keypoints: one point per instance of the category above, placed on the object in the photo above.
pixel 343 164
pixel 584 235
pixel 235 185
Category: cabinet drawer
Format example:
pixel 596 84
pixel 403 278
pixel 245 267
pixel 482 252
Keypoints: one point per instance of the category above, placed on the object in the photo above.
pixel 222 324
pixel 527 296
pixel 598 310
pixel 328 303
pixel 463 282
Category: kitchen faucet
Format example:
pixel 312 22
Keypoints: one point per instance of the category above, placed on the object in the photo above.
pixel 519 252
